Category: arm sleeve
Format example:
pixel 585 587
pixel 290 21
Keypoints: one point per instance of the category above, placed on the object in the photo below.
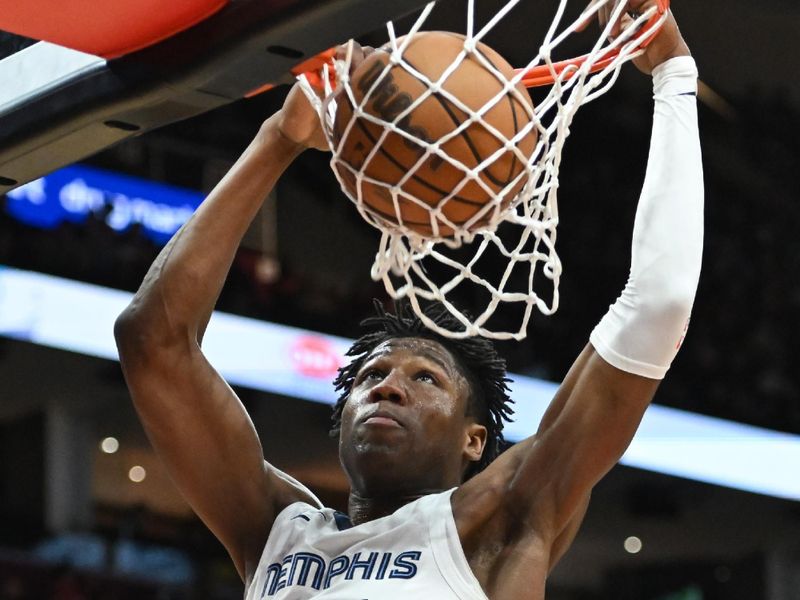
pixel 644 328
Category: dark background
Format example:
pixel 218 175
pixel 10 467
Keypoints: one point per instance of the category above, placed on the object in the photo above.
pixel 740 357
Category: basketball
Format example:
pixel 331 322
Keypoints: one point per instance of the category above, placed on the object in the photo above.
pixel 433 181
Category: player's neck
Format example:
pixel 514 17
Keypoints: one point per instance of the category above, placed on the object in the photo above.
pixel 366 508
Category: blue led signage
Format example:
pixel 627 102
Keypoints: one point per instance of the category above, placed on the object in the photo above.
pixel 75 192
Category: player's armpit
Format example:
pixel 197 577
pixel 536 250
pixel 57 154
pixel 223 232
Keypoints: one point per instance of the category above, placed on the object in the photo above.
pixel 206 440
pixel 597 411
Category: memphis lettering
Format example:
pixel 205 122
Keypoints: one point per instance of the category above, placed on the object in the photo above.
pixel 306 569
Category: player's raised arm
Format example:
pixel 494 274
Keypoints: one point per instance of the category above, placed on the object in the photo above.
pixel 194 420
pixel 595 413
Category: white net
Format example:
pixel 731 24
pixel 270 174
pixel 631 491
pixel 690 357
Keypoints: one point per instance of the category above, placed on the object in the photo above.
pixel 495 250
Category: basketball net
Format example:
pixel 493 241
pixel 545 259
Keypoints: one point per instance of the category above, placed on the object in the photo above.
pixel 432 268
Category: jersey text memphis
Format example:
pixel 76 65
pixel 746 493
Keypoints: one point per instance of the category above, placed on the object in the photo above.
pixel 316 553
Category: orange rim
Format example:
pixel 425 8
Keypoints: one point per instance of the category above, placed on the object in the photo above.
pixel 535 77
pixel 547 74
pixel 314 67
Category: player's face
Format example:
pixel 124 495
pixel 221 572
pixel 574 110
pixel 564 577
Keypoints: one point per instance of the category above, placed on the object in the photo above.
pixel 404 426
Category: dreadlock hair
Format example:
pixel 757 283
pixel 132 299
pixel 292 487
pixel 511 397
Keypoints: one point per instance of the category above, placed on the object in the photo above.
pixel 477 358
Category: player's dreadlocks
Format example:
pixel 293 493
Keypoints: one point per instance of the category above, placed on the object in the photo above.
pixel 483 367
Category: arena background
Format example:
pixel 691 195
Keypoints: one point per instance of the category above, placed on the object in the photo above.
pixel 74 524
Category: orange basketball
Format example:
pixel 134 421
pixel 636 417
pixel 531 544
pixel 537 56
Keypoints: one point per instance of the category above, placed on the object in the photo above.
pixel 434 179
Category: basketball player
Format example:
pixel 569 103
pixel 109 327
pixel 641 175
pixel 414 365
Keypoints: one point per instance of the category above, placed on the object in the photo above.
pixel 419 416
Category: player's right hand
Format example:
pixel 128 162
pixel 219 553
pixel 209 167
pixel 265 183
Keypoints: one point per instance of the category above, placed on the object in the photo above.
pixel 298 121
pixel 668 43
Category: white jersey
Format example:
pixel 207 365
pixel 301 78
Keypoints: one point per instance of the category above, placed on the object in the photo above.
pixel 414 552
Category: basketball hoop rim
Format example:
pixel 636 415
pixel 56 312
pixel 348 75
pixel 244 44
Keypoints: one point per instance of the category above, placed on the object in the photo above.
pixel 547 74
pixel 539 76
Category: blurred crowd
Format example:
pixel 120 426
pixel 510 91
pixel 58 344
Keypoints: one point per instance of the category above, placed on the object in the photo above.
pixel 132 553
pixel 737 361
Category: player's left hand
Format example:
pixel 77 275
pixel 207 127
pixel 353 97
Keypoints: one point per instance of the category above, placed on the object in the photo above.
pixel 298 120
pixel 668 43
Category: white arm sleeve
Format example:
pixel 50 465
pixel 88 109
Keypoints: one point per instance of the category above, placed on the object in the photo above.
pixel 643 330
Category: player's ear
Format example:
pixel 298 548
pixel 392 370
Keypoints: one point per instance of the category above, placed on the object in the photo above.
pixel 474 441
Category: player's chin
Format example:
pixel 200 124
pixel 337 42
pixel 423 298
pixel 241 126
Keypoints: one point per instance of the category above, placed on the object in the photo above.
pixel 382 444
pixel 375 465
pixel 381 447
